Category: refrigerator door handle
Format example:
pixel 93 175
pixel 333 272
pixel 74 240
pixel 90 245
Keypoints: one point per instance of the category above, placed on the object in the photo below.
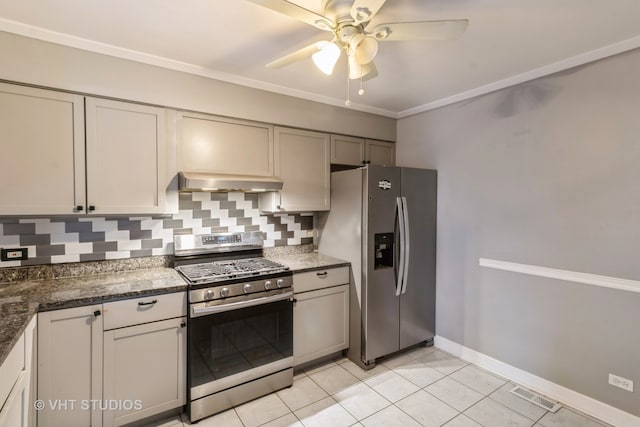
pixel 401 264
pixel 407 245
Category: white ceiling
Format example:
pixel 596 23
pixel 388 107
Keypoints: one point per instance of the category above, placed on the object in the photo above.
pixel 507 42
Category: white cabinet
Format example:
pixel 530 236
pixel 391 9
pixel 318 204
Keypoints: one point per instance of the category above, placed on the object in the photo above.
pixel 70 366
pixel 42 164
pixel 138 367
pixel 145 366
pixel 144 356
pixel 212 144
pixel 302 161
pixel 320 314
pixel 347 150
pixel 16 382
pixel 48 167
pixel 126 158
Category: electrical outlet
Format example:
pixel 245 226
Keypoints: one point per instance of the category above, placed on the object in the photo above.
pixel 14 254
pixel 623 383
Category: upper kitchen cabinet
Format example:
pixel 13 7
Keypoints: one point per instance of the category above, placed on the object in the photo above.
pixel 380 152
pixel 350 151
pixel 126 158
pixel 42 166
pixel 302 161
pixel 212 144
pixel 49 167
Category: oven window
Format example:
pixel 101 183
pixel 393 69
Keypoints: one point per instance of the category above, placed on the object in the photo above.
pixel 227 343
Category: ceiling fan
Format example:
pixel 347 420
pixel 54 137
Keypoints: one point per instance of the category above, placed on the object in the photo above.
pixel 348 20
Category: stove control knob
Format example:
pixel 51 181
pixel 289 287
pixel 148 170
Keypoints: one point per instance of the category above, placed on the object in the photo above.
pixel 246 288
pixel 209 294
pixel 268 285
pixel 280 283
pixel 224 292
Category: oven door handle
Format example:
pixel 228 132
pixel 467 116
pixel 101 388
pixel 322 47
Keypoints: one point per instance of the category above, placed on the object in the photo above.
pixel 201 309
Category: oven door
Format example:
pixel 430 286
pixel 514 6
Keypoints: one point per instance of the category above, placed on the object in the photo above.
pixel 237 342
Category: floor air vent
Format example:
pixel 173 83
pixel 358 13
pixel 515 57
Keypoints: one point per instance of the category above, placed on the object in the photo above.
pixel 536 399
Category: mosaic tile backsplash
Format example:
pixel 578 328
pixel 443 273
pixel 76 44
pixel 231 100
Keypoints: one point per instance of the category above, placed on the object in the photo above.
pixel 61 240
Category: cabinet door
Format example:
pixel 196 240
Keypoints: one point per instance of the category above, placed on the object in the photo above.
pixel 320 323
pixel 42 162
pixel 346 150
pixel 13 412
pixel 217 145
pixel 70 366
pixel 381 153
pixel 145 366
pixel 126 158
pixel 302 160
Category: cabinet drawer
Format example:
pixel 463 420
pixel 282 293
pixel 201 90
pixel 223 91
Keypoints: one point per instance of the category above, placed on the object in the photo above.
pixel 11 369
pixel 319 279
pixel 135 311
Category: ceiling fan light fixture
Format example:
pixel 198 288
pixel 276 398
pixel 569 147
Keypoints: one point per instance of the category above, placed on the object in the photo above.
pixel 326 57
pixel 364 48
pixel 357 70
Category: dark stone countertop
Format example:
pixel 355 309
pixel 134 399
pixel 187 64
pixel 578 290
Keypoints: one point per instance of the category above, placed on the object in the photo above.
pixel 308 261
pixel 21 300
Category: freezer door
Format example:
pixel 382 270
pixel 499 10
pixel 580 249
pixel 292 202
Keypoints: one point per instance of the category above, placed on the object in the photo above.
pixel 417 303
pixel 381 306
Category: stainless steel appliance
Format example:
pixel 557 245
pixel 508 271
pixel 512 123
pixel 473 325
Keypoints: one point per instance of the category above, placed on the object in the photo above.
pixel 383 220
pixel 240 325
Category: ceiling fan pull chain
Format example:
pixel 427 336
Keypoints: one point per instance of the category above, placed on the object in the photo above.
pixel 361 91
pixel 348 101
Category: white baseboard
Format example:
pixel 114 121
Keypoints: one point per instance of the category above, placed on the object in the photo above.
pixel 588 405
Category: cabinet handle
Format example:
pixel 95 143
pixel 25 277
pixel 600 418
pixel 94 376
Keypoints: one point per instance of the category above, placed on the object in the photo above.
pixel 293 300
pixel 322 275
pixel 79 208
pixel 183 324
pixel 97 313
pixel 92 208
pixel 148 303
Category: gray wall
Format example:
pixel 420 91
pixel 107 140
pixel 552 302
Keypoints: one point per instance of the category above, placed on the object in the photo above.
pixel 544 173
pixel 32 61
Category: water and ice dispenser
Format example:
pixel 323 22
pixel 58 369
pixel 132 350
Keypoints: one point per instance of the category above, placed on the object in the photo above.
pixel 383 250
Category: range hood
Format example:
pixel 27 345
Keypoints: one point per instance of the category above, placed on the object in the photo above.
pixel 196 181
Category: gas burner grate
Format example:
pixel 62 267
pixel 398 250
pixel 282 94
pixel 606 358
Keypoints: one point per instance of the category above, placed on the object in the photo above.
pixel 215 271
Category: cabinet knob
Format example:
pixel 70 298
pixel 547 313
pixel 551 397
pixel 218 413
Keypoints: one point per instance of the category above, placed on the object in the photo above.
pixel 97 313
pixel 92 208
pixel 79 208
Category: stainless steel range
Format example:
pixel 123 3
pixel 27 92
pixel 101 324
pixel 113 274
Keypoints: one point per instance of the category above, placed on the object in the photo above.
pixel 240 326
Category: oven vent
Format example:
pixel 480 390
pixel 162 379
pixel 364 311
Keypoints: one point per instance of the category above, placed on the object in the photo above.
pixel 536 399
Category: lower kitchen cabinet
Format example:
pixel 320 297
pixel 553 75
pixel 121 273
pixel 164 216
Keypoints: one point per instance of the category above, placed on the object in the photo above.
pixel 144 370
pixel 320 315
pixel 89 376
pixel 70 366
pixel 17 376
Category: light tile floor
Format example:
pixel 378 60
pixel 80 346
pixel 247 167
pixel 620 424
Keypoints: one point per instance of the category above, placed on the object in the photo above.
pixel 423 387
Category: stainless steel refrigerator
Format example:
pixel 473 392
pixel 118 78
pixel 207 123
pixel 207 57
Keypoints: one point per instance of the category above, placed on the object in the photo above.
pixel 383 220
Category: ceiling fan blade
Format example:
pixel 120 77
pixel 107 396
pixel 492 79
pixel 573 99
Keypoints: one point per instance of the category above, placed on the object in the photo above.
pixel 298 55
pixel 365 10
pixel 425 30
pixel 297 12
